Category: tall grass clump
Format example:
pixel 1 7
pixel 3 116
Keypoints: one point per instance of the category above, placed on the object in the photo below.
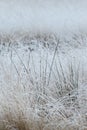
pixel 41 91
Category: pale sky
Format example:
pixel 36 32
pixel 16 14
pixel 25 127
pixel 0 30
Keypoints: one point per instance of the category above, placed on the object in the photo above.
pixel 43 15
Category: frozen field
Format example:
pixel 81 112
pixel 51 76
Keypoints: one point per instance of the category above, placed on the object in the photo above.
pixel 43 65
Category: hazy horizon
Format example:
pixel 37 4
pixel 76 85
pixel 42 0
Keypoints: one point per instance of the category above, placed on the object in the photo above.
pixel 54 16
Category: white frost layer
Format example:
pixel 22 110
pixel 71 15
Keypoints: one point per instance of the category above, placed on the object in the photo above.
pixel 24 78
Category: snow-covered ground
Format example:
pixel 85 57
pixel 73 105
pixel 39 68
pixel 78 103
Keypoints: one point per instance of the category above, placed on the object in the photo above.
pixel 43 58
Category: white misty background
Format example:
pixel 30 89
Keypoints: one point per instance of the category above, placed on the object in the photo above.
pixel 43 15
